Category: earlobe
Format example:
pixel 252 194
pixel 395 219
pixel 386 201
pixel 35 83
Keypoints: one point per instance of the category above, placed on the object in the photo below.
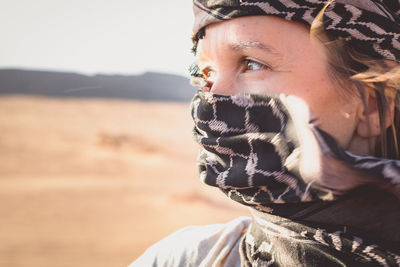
pixel 368 114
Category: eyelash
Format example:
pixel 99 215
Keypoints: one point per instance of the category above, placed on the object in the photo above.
pixel 261 64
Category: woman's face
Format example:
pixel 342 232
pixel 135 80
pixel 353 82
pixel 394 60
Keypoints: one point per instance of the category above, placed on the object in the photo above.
pixel 265 54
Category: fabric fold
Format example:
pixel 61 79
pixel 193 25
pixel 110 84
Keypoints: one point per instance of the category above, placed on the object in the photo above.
pixel 370 26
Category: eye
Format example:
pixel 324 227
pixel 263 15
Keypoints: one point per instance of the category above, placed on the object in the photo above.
pixel 254 65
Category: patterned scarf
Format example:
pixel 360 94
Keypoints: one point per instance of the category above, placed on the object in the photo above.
pixel 370 26
pixel 254 150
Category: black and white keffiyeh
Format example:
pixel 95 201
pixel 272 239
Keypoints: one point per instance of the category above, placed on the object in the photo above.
pixel 277 241
pixel 371 26
pixel 246 140
pixel 252 150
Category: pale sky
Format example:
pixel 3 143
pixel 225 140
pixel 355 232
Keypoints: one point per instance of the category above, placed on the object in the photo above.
pixel 96 36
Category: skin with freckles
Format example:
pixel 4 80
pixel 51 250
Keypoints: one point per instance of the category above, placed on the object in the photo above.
pixel 265 54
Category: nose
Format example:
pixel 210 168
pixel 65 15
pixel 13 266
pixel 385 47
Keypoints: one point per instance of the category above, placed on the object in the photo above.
pixel 222 85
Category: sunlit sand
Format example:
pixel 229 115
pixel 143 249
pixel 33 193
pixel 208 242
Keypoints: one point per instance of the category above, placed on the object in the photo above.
pixel 95 182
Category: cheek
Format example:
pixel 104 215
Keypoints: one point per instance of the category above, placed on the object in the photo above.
pixel 340 124
pixel 336 114
pixel 256 85
pixel 270 83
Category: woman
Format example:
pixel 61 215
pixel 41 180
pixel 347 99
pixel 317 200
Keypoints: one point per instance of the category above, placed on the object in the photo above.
pixel 298 118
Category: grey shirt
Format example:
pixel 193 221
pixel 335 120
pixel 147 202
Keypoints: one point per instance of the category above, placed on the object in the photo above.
pixel 198 246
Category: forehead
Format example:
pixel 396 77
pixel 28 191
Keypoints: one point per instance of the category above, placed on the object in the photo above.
pixel 256 32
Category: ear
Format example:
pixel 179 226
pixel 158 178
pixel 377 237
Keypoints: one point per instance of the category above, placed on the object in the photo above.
pixel 369 124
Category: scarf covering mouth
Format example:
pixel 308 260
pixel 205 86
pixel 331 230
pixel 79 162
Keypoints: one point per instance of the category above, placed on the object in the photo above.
pixel 256 152
pixel 371 26
pixel 252 148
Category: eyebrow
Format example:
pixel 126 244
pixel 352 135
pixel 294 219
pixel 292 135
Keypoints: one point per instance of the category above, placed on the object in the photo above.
pixel 243 45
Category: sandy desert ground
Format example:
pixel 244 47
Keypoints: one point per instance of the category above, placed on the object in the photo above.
pixel 95 182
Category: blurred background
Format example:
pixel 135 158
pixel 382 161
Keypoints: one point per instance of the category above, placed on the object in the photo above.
pixel 96 156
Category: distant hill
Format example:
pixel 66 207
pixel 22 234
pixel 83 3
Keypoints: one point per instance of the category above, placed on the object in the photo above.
pixel 149 86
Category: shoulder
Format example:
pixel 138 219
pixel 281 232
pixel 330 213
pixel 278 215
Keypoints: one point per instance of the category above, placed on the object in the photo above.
pixel 197 246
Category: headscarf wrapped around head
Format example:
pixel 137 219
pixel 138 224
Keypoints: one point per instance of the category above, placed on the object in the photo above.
pixel 371 26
